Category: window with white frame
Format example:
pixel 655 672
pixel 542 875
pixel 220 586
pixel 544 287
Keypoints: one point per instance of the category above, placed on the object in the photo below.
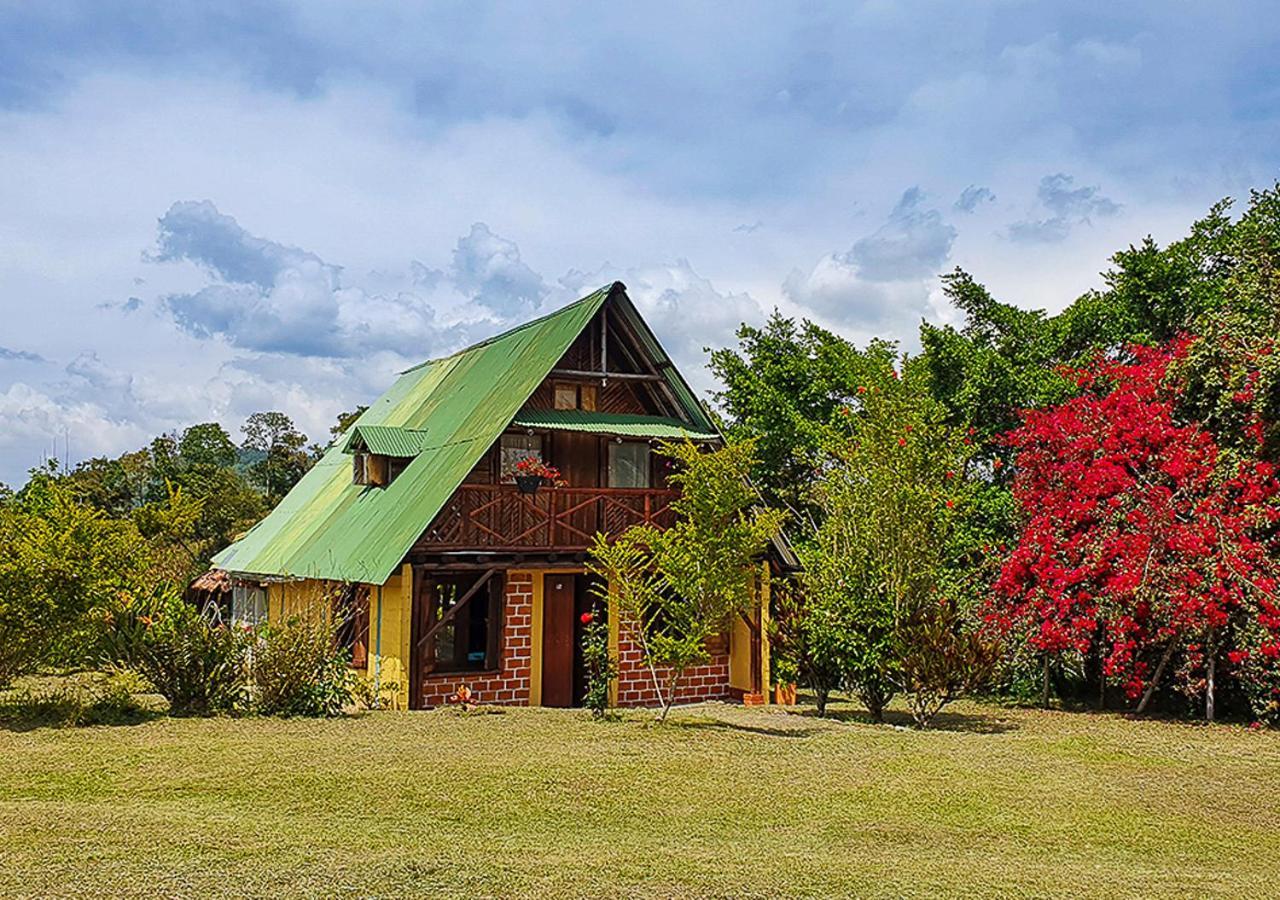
pixel 248 604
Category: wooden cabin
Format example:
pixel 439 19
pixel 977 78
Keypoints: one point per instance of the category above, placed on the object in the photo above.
pixel 450 574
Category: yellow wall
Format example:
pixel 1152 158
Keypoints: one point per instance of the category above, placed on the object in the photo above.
pixel 390 609
pixel 290 598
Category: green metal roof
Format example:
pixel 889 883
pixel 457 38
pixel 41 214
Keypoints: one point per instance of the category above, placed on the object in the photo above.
pixel 624 424
pixel 386 440
pixel 328 527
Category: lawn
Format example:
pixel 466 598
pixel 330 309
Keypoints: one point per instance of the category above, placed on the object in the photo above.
pixel 722 801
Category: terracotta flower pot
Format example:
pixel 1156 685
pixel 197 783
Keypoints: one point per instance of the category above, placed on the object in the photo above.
pixel 784 694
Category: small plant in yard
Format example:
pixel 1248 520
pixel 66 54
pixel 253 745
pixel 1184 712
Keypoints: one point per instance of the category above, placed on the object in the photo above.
pixel 600 664
pixel 298 671
pixel 464 699
pixel 199 667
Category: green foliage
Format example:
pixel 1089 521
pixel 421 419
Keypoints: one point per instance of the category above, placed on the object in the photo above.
pixel 940 655
pixel 185 494
pixel 783 389
pixel 59 560
pixel 298 670
pixel 679 586
pixel 284 458
pixel 881 564
pixel 194 663
pixel 810 640
pixel 345 421
pixel 601 667
pixel 207 444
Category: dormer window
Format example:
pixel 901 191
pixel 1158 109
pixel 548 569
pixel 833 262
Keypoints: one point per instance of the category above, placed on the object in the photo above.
pixel 380 453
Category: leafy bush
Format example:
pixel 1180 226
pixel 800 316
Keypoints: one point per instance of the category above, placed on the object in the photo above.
pixel 198 666
pixel 298 671
pixel 59 560
pixel 940 657
pixel 599 663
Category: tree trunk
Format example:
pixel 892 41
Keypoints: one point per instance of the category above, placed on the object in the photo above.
pixel 1155 678
pixel 1044 683
pixel 1211 671
pixel 820 695
pixel 669 697
pixel 875 706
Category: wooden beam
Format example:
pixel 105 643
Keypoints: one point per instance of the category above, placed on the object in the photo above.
pixel 448 617
pixel 620 376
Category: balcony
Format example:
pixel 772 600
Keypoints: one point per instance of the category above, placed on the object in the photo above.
pixel 501 519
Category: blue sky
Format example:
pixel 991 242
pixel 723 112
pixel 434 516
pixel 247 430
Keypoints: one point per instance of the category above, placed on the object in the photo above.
pixel 210 210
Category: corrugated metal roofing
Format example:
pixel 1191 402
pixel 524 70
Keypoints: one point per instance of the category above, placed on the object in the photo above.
pixel 386 440
pixel 623 424
pixel 328 527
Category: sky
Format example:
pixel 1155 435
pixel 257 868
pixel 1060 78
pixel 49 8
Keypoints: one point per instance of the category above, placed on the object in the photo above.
pixel 209 210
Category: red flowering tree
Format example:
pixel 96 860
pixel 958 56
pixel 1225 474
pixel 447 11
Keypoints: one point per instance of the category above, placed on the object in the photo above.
pixel 1141 538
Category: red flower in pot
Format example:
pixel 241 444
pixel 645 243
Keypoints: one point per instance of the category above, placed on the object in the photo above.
pixel 532 473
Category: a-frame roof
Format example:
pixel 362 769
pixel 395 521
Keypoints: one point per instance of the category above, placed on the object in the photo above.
pixel 328 527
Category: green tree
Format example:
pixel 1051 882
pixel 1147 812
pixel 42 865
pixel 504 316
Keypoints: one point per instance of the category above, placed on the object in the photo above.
pixel 283 458
pixel 59 560
pixel 345 421
pixel 879 575
pixel 783 389
pixel 207 444
pixel 680 586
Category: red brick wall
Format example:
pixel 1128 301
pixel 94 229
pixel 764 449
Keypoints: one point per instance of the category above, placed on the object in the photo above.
pixel 509 685
pixel 635 683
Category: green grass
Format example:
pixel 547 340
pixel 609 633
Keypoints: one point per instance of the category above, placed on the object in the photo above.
pixel 722 801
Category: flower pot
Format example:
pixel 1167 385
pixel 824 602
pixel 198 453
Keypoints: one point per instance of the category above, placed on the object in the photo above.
pixel 784 694
pixel 528 484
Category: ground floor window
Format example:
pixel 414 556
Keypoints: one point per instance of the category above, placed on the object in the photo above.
pixel 459 622
pixel 351 615
pixel 248 604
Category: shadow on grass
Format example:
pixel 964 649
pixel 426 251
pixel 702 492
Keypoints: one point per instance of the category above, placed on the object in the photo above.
pixel 722 725
pixel 943 721
pixel 31 717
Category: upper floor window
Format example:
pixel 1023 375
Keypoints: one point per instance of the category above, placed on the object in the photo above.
pixel 514 447
pixel 570 395
pixel 376 469
pixel 629 464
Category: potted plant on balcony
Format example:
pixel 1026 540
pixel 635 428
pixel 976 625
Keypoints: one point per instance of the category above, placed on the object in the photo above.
pixel 532 473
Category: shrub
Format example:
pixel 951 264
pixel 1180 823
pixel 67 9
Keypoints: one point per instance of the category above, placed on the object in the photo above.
pixel 199 667
pixel 59 560
pixel 298 670
pixel 940 657
pixel 600 665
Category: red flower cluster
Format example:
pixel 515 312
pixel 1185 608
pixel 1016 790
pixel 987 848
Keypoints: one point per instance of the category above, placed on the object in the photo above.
pixel 532 465
pixel 1135 537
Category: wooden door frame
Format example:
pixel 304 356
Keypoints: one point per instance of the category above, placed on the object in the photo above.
pixel 535 629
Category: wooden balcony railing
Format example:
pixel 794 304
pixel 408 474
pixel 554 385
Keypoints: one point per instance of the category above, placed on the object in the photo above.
pixel 500 518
